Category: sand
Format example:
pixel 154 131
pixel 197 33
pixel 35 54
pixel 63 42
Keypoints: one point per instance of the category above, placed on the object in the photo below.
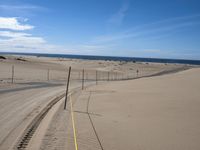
pixel 39 80
pixel 149 113
pixel 41 69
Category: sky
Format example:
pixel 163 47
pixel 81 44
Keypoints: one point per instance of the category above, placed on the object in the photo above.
pixel 133 28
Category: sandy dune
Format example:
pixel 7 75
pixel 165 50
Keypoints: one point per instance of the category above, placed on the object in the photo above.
pixel 149 113
pixel 35 69
pixel 31 91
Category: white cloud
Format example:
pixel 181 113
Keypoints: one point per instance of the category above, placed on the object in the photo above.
pixel 16 40
pixel 13 23
pixel 28 44
pixel 13 37
pixel 118 17
pixel 11 41
pixel 22 41
pixel 10 34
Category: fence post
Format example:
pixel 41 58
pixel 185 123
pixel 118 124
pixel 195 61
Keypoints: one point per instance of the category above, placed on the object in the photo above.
pixel 48 75
pixel 96 77
pixel 83 79
pixel 67 87
pixel 108 75
pixel 13 71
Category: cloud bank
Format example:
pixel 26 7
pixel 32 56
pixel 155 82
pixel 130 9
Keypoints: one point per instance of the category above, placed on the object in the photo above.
pixel 13 37
pixel 13 23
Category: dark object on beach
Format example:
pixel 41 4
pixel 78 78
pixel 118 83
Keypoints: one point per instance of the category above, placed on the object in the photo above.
pixel 21 59
pixel 2 57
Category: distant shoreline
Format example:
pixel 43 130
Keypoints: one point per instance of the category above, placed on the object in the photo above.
pixel 109 58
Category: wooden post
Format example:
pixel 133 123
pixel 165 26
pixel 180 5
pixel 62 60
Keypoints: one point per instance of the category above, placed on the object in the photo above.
pixel 83 79
pixel 68 80
pixel 96 77
pixel 137 72
pixel 13 71
pixel 108 75
pixel 48 75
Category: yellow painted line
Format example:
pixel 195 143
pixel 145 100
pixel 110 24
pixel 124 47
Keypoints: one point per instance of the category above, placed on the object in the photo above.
pixel 73 124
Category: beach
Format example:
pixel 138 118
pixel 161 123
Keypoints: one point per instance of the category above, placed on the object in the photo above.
pixel 149 113
pixel 156 108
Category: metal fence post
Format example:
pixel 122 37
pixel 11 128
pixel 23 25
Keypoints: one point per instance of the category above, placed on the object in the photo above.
pixel 48 75
pixel 83 79
pixel 68 80
pixel 13 71
pixel 96 77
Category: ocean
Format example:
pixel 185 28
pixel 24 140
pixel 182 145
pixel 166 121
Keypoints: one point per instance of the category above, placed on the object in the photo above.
pixel 109 58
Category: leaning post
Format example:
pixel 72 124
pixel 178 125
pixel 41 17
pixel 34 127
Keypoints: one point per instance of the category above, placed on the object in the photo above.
pixel 68 80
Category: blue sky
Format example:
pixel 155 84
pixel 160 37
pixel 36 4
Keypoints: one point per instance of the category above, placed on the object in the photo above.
pixel 137 28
